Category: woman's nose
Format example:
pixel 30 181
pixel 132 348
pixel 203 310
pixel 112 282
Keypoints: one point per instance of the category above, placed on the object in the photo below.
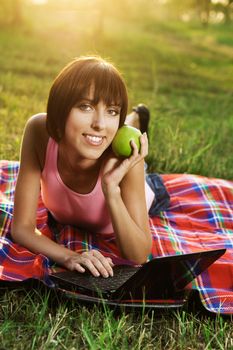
pixel 98 121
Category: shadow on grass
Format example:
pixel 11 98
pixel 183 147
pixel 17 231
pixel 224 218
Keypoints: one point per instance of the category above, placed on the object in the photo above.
pixel 55 298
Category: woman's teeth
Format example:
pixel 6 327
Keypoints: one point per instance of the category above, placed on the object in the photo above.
pixel 95 140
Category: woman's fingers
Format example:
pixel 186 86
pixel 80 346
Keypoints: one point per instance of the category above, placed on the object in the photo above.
pixel 134 149
pixel 110 262
pixel 105 264
pixel 96 263
pixel 76 266
pixel 143 146
pixel 88 264
pixel 137 155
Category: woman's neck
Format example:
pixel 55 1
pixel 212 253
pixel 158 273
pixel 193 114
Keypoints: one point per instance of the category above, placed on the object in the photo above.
pixel 80 175
pixel 71 162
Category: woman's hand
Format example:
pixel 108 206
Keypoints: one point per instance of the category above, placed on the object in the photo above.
pixel 123 184
pixel 115 168
pixel 93 261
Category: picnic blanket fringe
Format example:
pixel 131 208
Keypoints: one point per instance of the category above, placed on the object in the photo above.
pixel 200 217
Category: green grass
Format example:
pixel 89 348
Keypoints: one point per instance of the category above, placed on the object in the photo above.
pixel 39 319
pixel 184 73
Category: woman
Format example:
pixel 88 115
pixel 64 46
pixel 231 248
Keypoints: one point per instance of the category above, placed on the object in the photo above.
pixel 68 152
pixel 79 206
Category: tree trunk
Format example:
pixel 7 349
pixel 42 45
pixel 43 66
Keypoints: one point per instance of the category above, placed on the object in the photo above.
pixel 206 12
pixel 203 10
pixel 16 11
pixel 228 10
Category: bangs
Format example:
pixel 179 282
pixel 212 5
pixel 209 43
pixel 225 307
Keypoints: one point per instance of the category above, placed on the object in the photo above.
pixel 102 84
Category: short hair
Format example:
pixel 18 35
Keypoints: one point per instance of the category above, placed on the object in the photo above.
pixel 73 84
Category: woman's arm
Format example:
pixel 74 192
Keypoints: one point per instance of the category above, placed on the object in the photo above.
pixel 124 188
pixel 27 192
pixel 26 198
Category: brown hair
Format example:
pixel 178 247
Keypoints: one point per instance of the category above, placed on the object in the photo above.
pixel 73 84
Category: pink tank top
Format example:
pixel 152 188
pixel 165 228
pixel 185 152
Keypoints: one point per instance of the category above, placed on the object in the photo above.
pixel 86 211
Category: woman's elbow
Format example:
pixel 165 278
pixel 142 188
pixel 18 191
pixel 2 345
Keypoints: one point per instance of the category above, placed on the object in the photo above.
pixel 17 232
pixel 143 258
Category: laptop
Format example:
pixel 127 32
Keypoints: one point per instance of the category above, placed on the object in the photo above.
pixel 164 278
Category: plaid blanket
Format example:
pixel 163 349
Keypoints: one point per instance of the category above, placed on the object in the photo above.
pixel 200 217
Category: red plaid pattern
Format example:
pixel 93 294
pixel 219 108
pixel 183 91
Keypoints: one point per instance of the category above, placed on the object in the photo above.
pixel 200 217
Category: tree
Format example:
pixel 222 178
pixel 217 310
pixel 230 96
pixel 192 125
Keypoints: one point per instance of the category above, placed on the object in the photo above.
pixel 225 8
pixel 203 8
pixel 228 12
pixel 10 12
pixel 16 11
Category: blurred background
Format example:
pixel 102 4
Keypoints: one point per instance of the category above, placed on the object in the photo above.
pixel 206 11
pixel 176 56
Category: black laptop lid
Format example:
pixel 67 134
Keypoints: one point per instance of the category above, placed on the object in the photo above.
pixel 166 277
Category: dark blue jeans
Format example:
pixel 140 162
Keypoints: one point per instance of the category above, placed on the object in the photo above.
pixel 162 198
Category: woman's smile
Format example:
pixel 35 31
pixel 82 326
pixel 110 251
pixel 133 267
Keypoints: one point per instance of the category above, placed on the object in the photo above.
pixel 94 140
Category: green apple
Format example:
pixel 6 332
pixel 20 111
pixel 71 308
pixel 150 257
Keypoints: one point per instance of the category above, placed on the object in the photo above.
pixel 121 142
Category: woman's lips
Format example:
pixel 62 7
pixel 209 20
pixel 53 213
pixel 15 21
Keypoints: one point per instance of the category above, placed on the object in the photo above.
pixel 94 140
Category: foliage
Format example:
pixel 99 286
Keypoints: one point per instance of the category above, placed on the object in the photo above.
pixel 12 11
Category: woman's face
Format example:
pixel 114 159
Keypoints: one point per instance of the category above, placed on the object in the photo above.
pixel 91 128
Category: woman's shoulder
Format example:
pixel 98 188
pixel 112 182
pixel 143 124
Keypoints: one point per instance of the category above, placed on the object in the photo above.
pixel 37 120
pixel 36 127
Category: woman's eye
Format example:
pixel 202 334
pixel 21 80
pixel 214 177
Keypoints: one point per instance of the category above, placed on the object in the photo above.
pixel 114 112
pixel 85 107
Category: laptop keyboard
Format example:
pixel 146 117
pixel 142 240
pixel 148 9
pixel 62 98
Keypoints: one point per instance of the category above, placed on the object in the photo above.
pixel 86 280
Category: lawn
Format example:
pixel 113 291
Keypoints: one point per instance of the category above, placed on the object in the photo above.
pixel 184 73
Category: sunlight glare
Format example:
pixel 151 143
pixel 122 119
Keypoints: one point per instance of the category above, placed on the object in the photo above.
pixel 39 2
pixel 224 2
